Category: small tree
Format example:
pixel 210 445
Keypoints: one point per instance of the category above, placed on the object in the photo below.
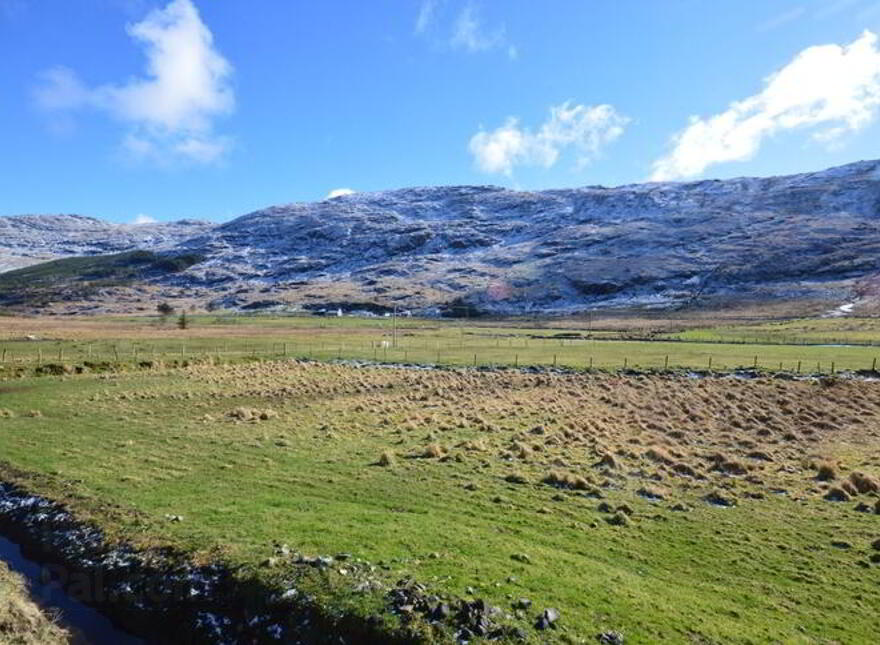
pixel 164 310
pixel 183 322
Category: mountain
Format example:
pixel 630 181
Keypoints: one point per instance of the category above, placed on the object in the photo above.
pixel 31 239
pixel 482 248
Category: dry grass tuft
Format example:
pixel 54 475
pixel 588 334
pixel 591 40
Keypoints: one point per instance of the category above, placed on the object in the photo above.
pixel 434 451
pixel 563 480
pixel 21 621
pixel 386 459
pixel 864 483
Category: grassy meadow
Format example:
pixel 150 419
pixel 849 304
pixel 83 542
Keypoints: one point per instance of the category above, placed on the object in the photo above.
pixel 808 345
pixel 661 507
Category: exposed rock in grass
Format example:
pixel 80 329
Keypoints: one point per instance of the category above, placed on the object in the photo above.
pixel 610 638
pixel 547 619
pixel 521 557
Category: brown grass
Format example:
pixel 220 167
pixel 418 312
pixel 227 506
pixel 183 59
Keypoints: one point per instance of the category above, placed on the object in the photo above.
pixel 21 621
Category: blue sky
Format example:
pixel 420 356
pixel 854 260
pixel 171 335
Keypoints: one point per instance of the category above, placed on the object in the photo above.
pixel 128 109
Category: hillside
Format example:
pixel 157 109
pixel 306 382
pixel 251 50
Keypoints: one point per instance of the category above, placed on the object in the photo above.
pixel 808 236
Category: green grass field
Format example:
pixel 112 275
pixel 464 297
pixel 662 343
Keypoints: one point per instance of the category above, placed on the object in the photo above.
pixel 489 485
pixel 790 346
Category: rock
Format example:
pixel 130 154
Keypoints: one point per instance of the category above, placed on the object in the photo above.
pixel 861 507
pixel 681 508
pixel 522 603
pixel 605 507
pixel 610 638
pixel 547 619
pixel 521 557
pixel 441 612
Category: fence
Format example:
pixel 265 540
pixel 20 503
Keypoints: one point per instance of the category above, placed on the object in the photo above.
pixel 462 351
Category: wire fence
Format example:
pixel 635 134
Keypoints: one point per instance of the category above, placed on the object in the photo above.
pixel 463 351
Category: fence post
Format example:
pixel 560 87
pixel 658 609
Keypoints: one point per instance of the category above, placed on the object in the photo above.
pixel 554 360
pixel 475 360
pixel 666 362
pixel 39 354
pixel 515 359
pixel 832 367
pixel 4 355
pixel 710 363
pixel 873 363
pixel 625 361
pixel 591 362
pixel 755 365
pixel 799 367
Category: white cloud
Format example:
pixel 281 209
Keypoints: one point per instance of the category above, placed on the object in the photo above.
pixel 831 89
pixel 142 220
pixel 470 34
pixel 339 192
pixel 170 111
pixel 585 128
pixel 427 12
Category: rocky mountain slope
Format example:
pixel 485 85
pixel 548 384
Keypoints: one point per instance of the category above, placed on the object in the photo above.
pixel 813 235
pixel 31 239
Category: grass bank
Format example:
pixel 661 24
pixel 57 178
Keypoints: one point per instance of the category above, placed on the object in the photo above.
pixel 21 621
